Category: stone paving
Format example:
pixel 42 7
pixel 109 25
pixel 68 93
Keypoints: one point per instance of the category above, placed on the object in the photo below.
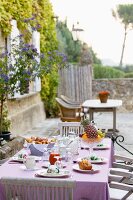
pixel 103 120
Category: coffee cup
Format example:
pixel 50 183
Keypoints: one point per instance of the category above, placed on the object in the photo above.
pixel 30 162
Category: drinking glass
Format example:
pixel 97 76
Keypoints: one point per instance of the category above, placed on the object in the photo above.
pixel 68 157
pixel 45 156
pixel 58 163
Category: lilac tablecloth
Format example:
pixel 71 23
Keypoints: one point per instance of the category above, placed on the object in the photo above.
pixel 90 186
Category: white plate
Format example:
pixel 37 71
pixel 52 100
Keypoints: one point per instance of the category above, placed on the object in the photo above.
pixel 16 158
pixel 62 173
pixel 98 161
pixel 23 167
pixel 94 169
pixel 103 146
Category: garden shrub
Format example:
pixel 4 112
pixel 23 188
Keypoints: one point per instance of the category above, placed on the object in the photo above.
pixel 106 72
pixel 49 92
pixel 128 75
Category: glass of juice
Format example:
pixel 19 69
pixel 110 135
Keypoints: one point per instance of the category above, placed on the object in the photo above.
pixel 53 158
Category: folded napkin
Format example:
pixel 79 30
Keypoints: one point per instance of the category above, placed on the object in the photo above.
pixel 38 149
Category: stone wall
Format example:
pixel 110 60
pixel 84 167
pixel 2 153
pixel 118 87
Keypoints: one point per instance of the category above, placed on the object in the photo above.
pixel 11 148
pixel 25 112
pixel 119 89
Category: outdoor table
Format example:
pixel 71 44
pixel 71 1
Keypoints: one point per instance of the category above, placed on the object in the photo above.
pixel 96 106
pixel 90 186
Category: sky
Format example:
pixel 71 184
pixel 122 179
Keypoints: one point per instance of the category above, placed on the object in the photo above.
pixel 102 31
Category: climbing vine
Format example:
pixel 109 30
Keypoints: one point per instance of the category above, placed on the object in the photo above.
pixel 36 15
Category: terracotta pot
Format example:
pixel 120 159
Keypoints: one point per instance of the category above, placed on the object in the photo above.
pixel 103 98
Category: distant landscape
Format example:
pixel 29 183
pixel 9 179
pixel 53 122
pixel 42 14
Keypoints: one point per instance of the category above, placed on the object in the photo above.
pixel 109 62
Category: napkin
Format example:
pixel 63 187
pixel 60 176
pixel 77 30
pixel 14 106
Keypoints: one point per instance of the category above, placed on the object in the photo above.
pixel 38 149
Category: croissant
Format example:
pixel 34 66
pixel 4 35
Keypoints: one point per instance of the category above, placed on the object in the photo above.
pixel 85 165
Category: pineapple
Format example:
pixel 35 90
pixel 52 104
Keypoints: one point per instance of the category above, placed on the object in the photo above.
pixel 89 128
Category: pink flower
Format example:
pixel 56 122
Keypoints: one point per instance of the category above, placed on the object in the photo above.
pixel 104 92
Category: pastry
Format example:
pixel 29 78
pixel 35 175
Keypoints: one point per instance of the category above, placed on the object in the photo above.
pixel 84 164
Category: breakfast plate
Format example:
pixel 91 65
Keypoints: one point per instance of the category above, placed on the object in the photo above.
pixel 94 159
pixel 101 146
pixel 61 174
pixel 94 169
pixel 17 158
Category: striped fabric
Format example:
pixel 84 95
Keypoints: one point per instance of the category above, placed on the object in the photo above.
pixel 37 189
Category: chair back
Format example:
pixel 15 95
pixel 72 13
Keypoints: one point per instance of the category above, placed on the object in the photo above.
pixel 75 103
pixel 37 189
pixel 70 101
pixel 119 184
pixel 70 113
pixel 70 127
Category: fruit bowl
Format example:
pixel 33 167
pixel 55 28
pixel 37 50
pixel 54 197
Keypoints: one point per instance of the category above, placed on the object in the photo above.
pixel 85 138
pixel 91 142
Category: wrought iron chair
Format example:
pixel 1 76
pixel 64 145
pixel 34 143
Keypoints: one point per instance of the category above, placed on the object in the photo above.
pixel 27 189
pixel 121 178
pixel 69 113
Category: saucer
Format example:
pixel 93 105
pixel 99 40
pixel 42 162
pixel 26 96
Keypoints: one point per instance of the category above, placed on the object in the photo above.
pixel 23 167
pixel 61 174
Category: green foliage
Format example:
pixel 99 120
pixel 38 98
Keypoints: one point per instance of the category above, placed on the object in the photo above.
pixel 106 72
pixel 125 14
pixel 128 75
pixel 70 47
pixel 19 10
pixel 36 15
pixel 6 123
pixel 128 68
pixel 49 92
pixel 66 43
pixel 16 69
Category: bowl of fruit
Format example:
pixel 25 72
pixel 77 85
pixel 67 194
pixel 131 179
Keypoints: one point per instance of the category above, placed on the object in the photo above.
pixel 38 144
pixel 91 133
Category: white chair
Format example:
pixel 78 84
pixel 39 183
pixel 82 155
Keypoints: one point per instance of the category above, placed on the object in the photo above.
pixel 123 162
pixel 121 179
pixel 66 128
pixel 37 189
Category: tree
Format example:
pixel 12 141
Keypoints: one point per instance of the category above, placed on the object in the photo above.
pixel 125 14
pixel 66 43
pixel 70 47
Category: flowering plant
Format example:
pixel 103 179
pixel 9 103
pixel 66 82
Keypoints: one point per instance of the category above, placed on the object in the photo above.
pixel 104 92
pixel 18 68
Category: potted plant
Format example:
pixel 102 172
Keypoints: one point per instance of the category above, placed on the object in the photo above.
pixel 103 96
pixel 5 128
